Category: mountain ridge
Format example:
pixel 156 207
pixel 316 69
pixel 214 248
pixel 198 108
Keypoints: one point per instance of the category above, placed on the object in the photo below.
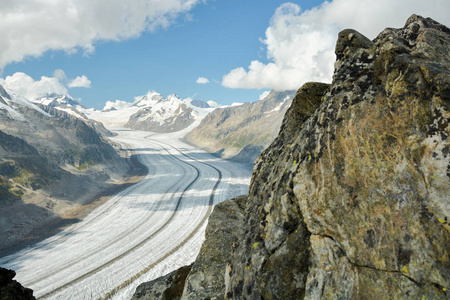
pixel 241 132
pixel 45 155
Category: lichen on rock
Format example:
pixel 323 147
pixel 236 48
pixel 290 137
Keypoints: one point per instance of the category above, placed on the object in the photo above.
pixel 363 179
pixel 351 200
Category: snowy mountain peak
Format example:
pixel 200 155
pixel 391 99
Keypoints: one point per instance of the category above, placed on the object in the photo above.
pixel 153 112
pixel 174 97
pixel 150 98
pixel 4 94
pixel 54 100
pixel 197 103
pixel 9 103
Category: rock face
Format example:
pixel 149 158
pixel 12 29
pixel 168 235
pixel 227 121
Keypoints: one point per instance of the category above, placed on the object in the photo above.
pixel 242 132
pixel 359 190
pixel 204 279
pixel 11 289
pixel 168 287
pixel 351 201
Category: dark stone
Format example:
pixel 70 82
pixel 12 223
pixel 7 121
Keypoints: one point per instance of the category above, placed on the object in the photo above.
pixel 369 238
pixel 11 289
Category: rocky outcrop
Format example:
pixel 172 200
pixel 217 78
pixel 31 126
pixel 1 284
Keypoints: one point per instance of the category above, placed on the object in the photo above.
pixel 203 279
pixel 360 191
pixel 242 132
pixel 11 289
pixel 168 287
pixel 351 200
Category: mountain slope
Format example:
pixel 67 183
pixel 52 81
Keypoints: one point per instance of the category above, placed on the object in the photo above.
pixel 242 132
pixel 68 105
pixel 46 155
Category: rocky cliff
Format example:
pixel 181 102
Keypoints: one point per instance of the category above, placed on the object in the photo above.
pixel 242 132
pixel 351 200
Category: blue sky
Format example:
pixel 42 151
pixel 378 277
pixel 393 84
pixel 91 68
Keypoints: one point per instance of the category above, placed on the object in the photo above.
pixel 243 48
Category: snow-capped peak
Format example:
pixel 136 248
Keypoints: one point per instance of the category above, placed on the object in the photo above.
pixel 53 99
pixel 10 102
pixel 149 99
pixel 152 112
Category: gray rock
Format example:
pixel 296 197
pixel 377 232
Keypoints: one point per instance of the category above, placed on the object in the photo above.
pixel 206 279
pixel 364 180
pixel 168 287
pixel 351 200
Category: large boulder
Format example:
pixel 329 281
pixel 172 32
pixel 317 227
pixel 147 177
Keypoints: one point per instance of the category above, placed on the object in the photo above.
pixel 351 200
pixel 11 289
pixel 359 191
pixel 204 278
pixel 168 287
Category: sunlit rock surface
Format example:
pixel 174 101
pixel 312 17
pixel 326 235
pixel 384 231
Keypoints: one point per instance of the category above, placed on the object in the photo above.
pixel 351 201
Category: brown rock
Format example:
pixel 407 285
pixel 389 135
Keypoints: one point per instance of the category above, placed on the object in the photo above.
pixel 362 185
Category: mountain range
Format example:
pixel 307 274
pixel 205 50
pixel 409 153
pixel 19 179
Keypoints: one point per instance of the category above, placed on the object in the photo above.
pixel 152 112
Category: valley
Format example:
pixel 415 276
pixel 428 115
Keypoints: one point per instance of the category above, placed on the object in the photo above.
pixel 145 231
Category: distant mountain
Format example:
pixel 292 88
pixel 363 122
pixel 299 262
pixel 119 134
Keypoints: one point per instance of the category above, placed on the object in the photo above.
pixel 153 112
pixel 200 103
pixel 56 100
pixel 159 114
pixel 242 132
pixel 67 104
pixel 50 161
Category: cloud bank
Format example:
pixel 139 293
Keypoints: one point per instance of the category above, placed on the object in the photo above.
pixel 24 85
pixel 300 44
pixel 32 27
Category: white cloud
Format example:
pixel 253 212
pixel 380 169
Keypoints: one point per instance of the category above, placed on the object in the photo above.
pixel 60 75
pixel 264 95
pixel 300 45
pixel 80 81
pixel 202 80
pixel 118 104
pixel 23 85
pixel 212 103
pixel 32 27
